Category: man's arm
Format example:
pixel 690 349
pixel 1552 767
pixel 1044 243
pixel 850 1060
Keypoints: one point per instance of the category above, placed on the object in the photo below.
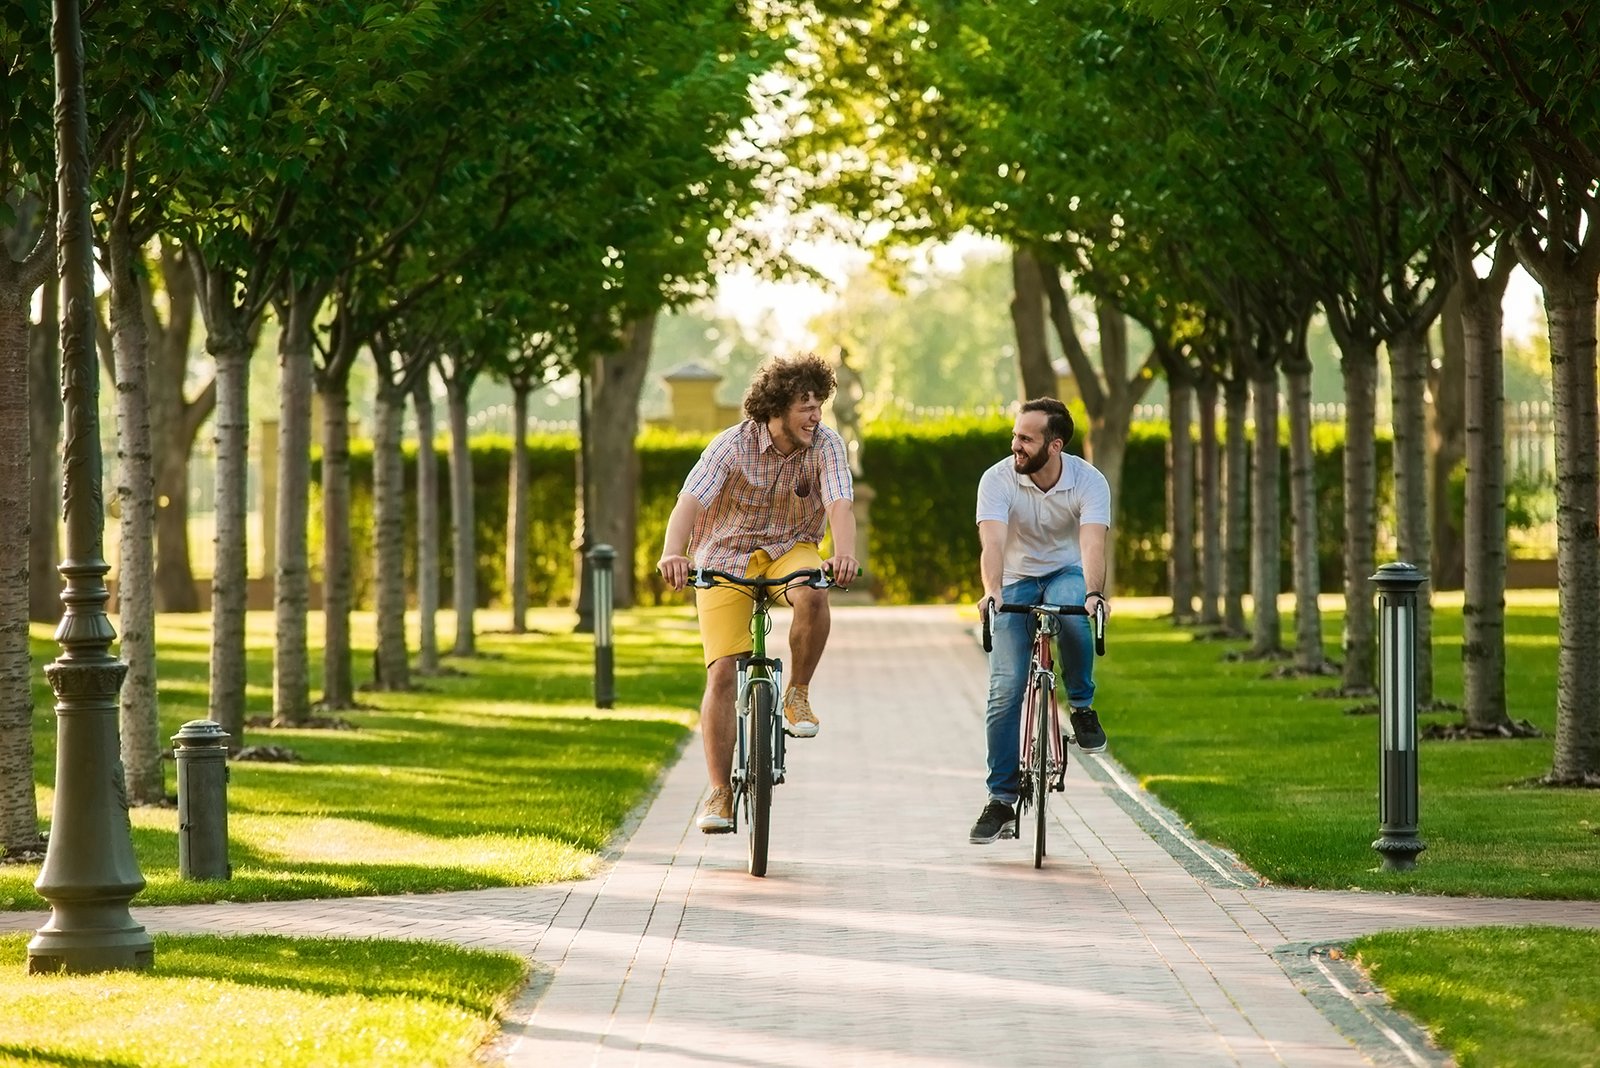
pixel 674 565
pixel 1092 547
pixel 991 559
pixel 842 521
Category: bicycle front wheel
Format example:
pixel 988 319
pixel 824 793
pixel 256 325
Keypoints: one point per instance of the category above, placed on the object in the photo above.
pixel 758 772
pixel 1041 770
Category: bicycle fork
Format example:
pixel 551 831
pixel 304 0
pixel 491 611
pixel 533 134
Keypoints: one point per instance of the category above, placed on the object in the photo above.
pixel 746 686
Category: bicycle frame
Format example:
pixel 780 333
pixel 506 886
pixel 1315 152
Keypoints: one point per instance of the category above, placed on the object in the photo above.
pixel 756 671
pixel 1041 749
pixel 758 763
pixel 1042 681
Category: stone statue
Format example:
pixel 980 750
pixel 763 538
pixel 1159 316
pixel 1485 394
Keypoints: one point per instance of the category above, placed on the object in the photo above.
pixel 847 409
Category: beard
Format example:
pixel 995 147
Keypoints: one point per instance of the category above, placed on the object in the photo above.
pixel 1028 463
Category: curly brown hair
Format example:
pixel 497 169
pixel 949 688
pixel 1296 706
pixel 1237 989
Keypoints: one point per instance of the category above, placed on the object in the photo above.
pixel 780 382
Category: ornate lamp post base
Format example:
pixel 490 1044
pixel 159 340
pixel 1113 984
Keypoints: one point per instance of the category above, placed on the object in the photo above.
pixel 1399 852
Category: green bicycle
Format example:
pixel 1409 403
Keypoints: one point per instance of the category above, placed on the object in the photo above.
pixel 758 752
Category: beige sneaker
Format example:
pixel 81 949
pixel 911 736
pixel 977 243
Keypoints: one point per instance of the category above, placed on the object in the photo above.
pixel 801 721
pixel 717 816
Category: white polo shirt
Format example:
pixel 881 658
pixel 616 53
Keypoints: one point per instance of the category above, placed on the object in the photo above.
pixel 1042 525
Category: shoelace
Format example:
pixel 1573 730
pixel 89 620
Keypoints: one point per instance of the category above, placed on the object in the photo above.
pixel 798 708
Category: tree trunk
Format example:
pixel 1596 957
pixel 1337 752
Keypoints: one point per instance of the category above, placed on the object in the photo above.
pixel 139 722
pixel 1408 376
pixel 1447 442
pixel 1034 371
pixel 175 423
pixel 19 812
pixel 613 471
pixel 463 520
pixel 1483 610
pixel 1107 448
pixel 1266 522
pixel 1210 506
pixel 1236 546
pixel 1360 366
pixel 44 496
pixel 427 531
pixel 582 531
pixel 389 540
pixel 517 510
pixel 1308 655
pixel 1180 496
pixel 231 435
pixel 338 686
pixel 1569 302
pixel 291 596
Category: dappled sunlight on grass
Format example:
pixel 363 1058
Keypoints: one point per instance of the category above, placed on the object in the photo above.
pixel 500 774
pixel 310 1002
pixel 1539 1004
pixel 1154 782
pixel 1280 772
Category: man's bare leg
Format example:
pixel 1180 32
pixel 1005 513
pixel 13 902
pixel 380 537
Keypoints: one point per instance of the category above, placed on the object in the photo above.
pixel 716 719
pixel 808 633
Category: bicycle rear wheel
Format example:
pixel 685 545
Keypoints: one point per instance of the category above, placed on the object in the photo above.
pixel 1041 771
pixel 758 772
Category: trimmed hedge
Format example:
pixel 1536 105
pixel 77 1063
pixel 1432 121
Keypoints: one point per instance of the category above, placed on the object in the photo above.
pixel 923 547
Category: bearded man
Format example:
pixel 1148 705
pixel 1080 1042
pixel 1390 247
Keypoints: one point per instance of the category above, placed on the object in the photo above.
pixel 1043 517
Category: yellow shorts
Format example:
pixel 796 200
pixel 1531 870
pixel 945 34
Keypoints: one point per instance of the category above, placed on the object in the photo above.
pixel 725 611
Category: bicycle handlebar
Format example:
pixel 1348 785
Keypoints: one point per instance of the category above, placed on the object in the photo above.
pixel 1057 610
pixel 703 578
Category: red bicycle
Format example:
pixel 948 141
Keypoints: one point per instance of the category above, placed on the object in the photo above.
pixel 1042 753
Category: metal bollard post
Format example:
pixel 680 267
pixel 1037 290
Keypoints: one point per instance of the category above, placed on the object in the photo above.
pixel 602 557
pixel 202 754
pixel 1397 716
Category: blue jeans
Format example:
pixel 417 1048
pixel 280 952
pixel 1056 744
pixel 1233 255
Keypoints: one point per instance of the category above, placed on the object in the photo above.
pixel 1012 644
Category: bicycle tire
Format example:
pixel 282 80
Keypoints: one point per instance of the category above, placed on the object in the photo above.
pixel 758 773
pixel 1041 773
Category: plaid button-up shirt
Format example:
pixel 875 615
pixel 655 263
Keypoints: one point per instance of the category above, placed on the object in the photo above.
pixel 757 498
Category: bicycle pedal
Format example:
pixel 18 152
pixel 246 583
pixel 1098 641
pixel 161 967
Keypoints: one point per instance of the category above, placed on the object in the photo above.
pixel 1008 830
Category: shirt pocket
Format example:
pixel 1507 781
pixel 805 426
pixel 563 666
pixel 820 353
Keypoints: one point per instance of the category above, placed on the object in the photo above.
pixel 749 495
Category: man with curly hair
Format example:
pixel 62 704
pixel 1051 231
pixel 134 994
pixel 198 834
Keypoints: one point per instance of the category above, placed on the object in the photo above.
pixel 756 504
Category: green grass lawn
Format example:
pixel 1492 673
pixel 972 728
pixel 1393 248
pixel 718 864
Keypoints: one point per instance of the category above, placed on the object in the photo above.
pixel 1496 997
pixel 1289 780
pixel 291 1002
pixel 502 775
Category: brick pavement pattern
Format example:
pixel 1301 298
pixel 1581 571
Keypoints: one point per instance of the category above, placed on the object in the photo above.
pixel 881 936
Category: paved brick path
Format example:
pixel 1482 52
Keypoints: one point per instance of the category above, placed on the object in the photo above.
pixel 881 937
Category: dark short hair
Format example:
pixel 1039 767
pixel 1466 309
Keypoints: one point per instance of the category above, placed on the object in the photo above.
pixel 781 381
pixel 1058 421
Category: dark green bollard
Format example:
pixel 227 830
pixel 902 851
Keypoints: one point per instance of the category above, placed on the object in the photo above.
pixel 602 558
pixel 1398 843
pixel 202 752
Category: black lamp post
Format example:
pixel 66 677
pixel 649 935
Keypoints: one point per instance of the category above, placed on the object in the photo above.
pixel 90 872
pixel 602 559
pixel 1398 842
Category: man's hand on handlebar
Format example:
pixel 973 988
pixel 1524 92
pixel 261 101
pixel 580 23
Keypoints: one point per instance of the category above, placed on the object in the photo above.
pixel 1093 598
pixel 842 569
pixel 675 569
pixel 986 609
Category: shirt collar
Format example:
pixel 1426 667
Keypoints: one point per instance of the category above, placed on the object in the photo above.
pixel 1063 483
pixel 765 443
